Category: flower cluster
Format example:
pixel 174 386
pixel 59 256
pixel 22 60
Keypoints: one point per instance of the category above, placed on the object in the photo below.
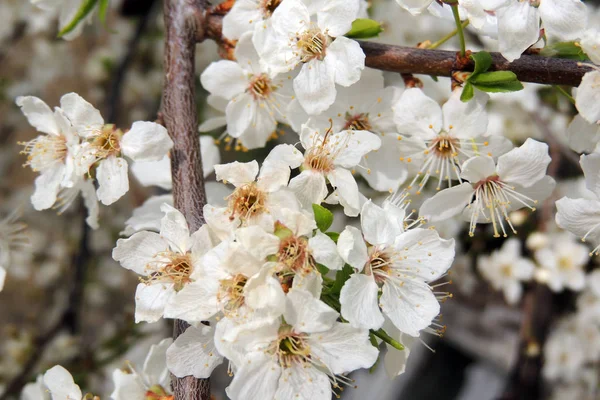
pixel 326 243
pixel 77 149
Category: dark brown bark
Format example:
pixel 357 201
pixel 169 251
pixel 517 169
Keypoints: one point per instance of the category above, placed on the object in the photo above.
pixel 528 68
pixel 184 26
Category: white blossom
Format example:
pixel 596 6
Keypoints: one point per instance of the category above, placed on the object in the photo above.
pixel 395 263
pixel 328 156
pixel 257 99
pixel 491 191
pixel 506 268
pixel 104 146
pixel 166 261
pixel 562 263
pixel 581 217
pixel 153 380
pixel 299 358
pixel 290 38
pixel 440 139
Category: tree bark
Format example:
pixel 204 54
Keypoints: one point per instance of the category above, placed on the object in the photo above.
pixel 184 25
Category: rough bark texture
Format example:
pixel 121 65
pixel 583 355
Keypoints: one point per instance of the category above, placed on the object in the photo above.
pixel 183 23
pixel 528 68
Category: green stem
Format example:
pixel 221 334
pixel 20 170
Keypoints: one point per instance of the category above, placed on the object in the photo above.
pixel 459 28
pixel 565 93
pixel 381 334
pixel 447 37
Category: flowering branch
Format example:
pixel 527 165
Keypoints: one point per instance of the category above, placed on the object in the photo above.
pixel 386 57
pixel 184 25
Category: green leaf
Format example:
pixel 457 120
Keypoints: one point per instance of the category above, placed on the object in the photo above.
pixel 483 62
pixel 503 87
pixel 323 217
pixel 467 93
pixel 340 278
pixel 568 50
pixel 102 10
pixel 492 78
pixel 323 270
pixel 363 28
pixel 86 7
pixel 497 82
pixel 333 235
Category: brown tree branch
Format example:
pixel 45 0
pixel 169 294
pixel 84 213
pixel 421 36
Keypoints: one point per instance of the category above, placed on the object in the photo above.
pixel 528 68
pixel 184 24
pixel 412 60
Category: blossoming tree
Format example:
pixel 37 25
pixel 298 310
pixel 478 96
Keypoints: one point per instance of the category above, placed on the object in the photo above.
pixel 300 266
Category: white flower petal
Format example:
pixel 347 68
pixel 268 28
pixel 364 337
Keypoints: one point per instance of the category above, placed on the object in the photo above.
pixel 588 97
pixel 256 379
pixel 376 225
pixel 579 216
pixel 310 188
pixel 112 178
pixel 583 136
pixel 347 189
pixel 194 353
pixel 360 303
pixel 146 141
pixel 324 251
pixel 150 301
pixel 447 203
pixel 241 113
pixel 61 385
pixel 308 314
pixel 353 145
pixel 590 43
pixel 465 120
pixel 411 307
pixel 415 7
pixel 47 186
pixel 136 252
pixel 196 302
pixel 38 114
pixel 352 248
pixel 84 117
pixel 155 365
pixel 237 173
pixel 241 19
pixel 315 86
pixel 224 78
pixel 174 229
pixel 426 255
pixel 416 114
pixel 590 164
pixel 347 59
pixel 518 28
pixel 300 382
pixel 127 386
pixel 524 165
pixel 331 348
pixel 478 168
pixel 335 15
pixel 563 20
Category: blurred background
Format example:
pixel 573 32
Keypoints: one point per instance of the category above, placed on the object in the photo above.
pixel 65 300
